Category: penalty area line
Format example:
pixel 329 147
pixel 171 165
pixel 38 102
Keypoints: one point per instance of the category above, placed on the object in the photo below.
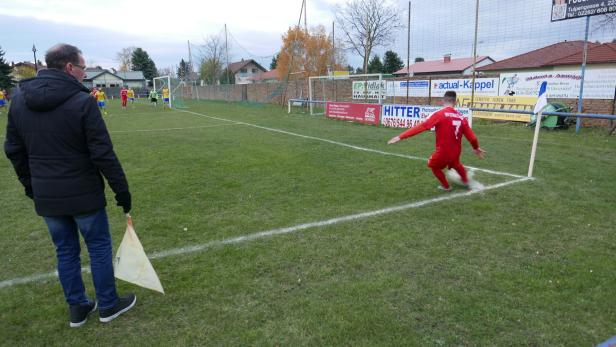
pixel 280 231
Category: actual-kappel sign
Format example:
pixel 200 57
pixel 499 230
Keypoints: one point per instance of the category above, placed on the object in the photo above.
pixel 518 103
pixel 406 116
pixel 483 86
pixel 569 9
pixel 360 113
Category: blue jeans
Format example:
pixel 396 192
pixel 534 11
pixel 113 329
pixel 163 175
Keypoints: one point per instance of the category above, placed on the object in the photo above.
pixel 94 228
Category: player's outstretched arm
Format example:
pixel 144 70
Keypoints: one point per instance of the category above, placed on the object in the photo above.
pixel 418 129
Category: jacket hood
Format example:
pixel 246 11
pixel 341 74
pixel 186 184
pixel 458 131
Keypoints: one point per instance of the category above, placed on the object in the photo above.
pixel 49 89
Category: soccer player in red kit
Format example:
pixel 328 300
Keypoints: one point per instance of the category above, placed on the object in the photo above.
pixel 124 96
pixel 450 125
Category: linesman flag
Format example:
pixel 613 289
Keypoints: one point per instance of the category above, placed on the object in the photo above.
pixel 131 264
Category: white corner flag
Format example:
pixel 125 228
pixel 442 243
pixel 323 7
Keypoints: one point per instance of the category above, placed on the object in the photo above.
pixel 542 102
pixel 132 265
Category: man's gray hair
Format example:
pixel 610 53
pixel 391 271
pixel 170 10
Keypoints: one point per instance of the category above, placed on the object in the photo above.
pixel 61 54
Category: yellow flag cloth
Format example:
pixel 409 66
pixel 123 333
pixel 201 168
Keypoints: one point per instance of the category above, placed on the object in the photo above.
pixel 132 265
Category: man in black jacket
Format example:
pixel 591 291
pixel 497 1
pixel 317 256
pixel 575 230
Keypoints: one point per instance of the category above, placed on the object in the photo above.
pixel 60 149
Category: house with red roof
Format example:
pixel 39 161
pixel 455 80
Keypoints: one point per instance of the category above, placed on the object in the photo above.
pixel 243 71
pixel 445 66
pixel 564 55
pixel 265 77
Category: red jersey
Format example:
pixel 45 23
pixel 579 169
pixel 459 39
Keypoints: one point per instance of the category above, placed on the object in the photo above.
pixel 124 93
pixel 450 125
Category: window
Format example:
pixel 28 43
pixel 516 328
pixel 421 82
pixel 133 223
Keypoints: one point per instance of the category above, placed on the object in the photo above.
pixel 254 70
pixel 243 70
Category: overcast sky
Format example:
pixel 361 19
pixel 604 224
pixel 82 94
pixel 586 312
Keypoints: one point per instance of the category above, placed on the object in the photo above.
pixel 162 28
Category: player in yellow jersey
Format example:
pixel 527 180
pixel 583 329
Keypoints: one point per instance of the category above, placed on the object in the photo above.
pixel 2 99
pixel 131 96
pixel 101 98
pixel 166 97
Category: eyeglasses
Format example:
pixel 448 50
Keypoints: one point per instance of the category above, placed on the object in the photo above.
pixel 80 66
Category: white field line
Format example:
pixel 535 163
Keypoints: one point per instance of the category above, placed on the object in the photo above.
pixel 172 129
pixel 493 172
pixel 152 113
pixel 280 231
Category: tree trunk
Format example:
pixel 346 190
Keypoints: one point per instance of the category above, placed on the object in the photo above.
pixel 366 59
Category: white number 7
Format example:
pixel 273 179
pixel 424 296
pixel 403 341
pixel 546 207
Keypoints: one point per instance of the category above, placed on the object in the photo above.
pixel 457 124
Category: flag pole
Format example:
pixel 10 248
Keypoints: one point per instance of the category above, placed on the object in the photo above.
pixel 533 151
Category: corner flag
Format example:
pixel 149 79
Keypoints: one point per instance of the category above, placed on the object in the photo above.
pixel 542 101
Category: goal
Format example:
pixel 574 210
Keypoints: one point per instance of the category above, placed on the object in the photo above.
pixel 164 83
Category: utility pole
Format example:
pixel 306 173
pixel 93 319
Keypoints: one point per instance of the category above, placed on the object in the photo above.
pixel 35 62
pixel 333 45
pixel 305 15
pixel 578 120
pixel 408 55
pixel 475 54
pixel 190 61
pixel 227 55
pixel 334 59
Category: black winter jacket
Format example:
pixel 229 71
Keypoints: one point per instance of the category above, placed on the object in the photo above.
pixel 59 145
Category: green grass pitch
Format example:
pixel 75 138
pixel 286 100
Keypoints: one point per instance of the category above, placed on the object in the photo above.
pixel 529 263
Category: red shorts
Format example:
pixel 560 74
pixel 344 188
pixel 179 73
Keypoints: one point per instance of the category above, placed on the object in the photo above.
pixel 124 101
pixel 439 161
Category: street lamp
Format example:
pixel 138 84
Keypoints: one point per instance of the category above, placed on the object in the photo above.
pixel 35 63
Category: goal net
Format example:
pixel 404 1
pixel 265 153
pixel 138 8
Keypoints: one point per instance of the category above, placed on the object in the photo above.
pixel 361 88
pixel 176 90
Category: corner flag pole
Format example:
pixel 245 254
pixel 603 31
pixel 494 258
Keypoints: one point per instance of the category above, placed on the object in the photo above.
pixel 541 103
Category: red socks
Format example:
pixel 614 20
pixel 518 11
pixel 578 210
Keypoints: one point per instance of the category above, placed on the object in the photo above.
pixel 461 171
pixel 441 177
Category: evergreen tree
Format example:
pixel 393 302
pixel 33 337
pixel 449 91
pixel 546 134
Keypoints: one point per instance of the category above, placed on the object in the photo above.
pixel 141 61
pixel 375 65
pixel 6 80
pixel 274 62
pixel 184 70
pixel 392 62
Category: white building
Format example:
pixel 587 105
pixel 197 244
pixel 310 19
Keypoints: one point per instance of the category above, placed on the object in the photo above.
pixel 101 78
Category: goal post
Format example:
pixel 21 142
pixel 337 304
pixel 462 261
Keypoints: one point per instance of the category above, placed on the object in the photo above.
pixel 161 82
pixel 361 88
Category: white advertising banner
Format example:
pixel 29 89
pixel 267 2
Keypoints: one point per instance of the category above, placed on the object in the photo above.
pixel 598 84
pixel 406 116
pixel 483 86
pixel 369 89
pixel 417 88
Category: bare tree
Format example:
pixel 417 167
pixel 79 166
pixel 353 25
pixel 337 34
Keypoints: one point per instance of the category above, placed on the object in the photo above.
pixel 166 71
pixel 123 57
pixel 212 58
pixel 605 23
pixel 367 24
